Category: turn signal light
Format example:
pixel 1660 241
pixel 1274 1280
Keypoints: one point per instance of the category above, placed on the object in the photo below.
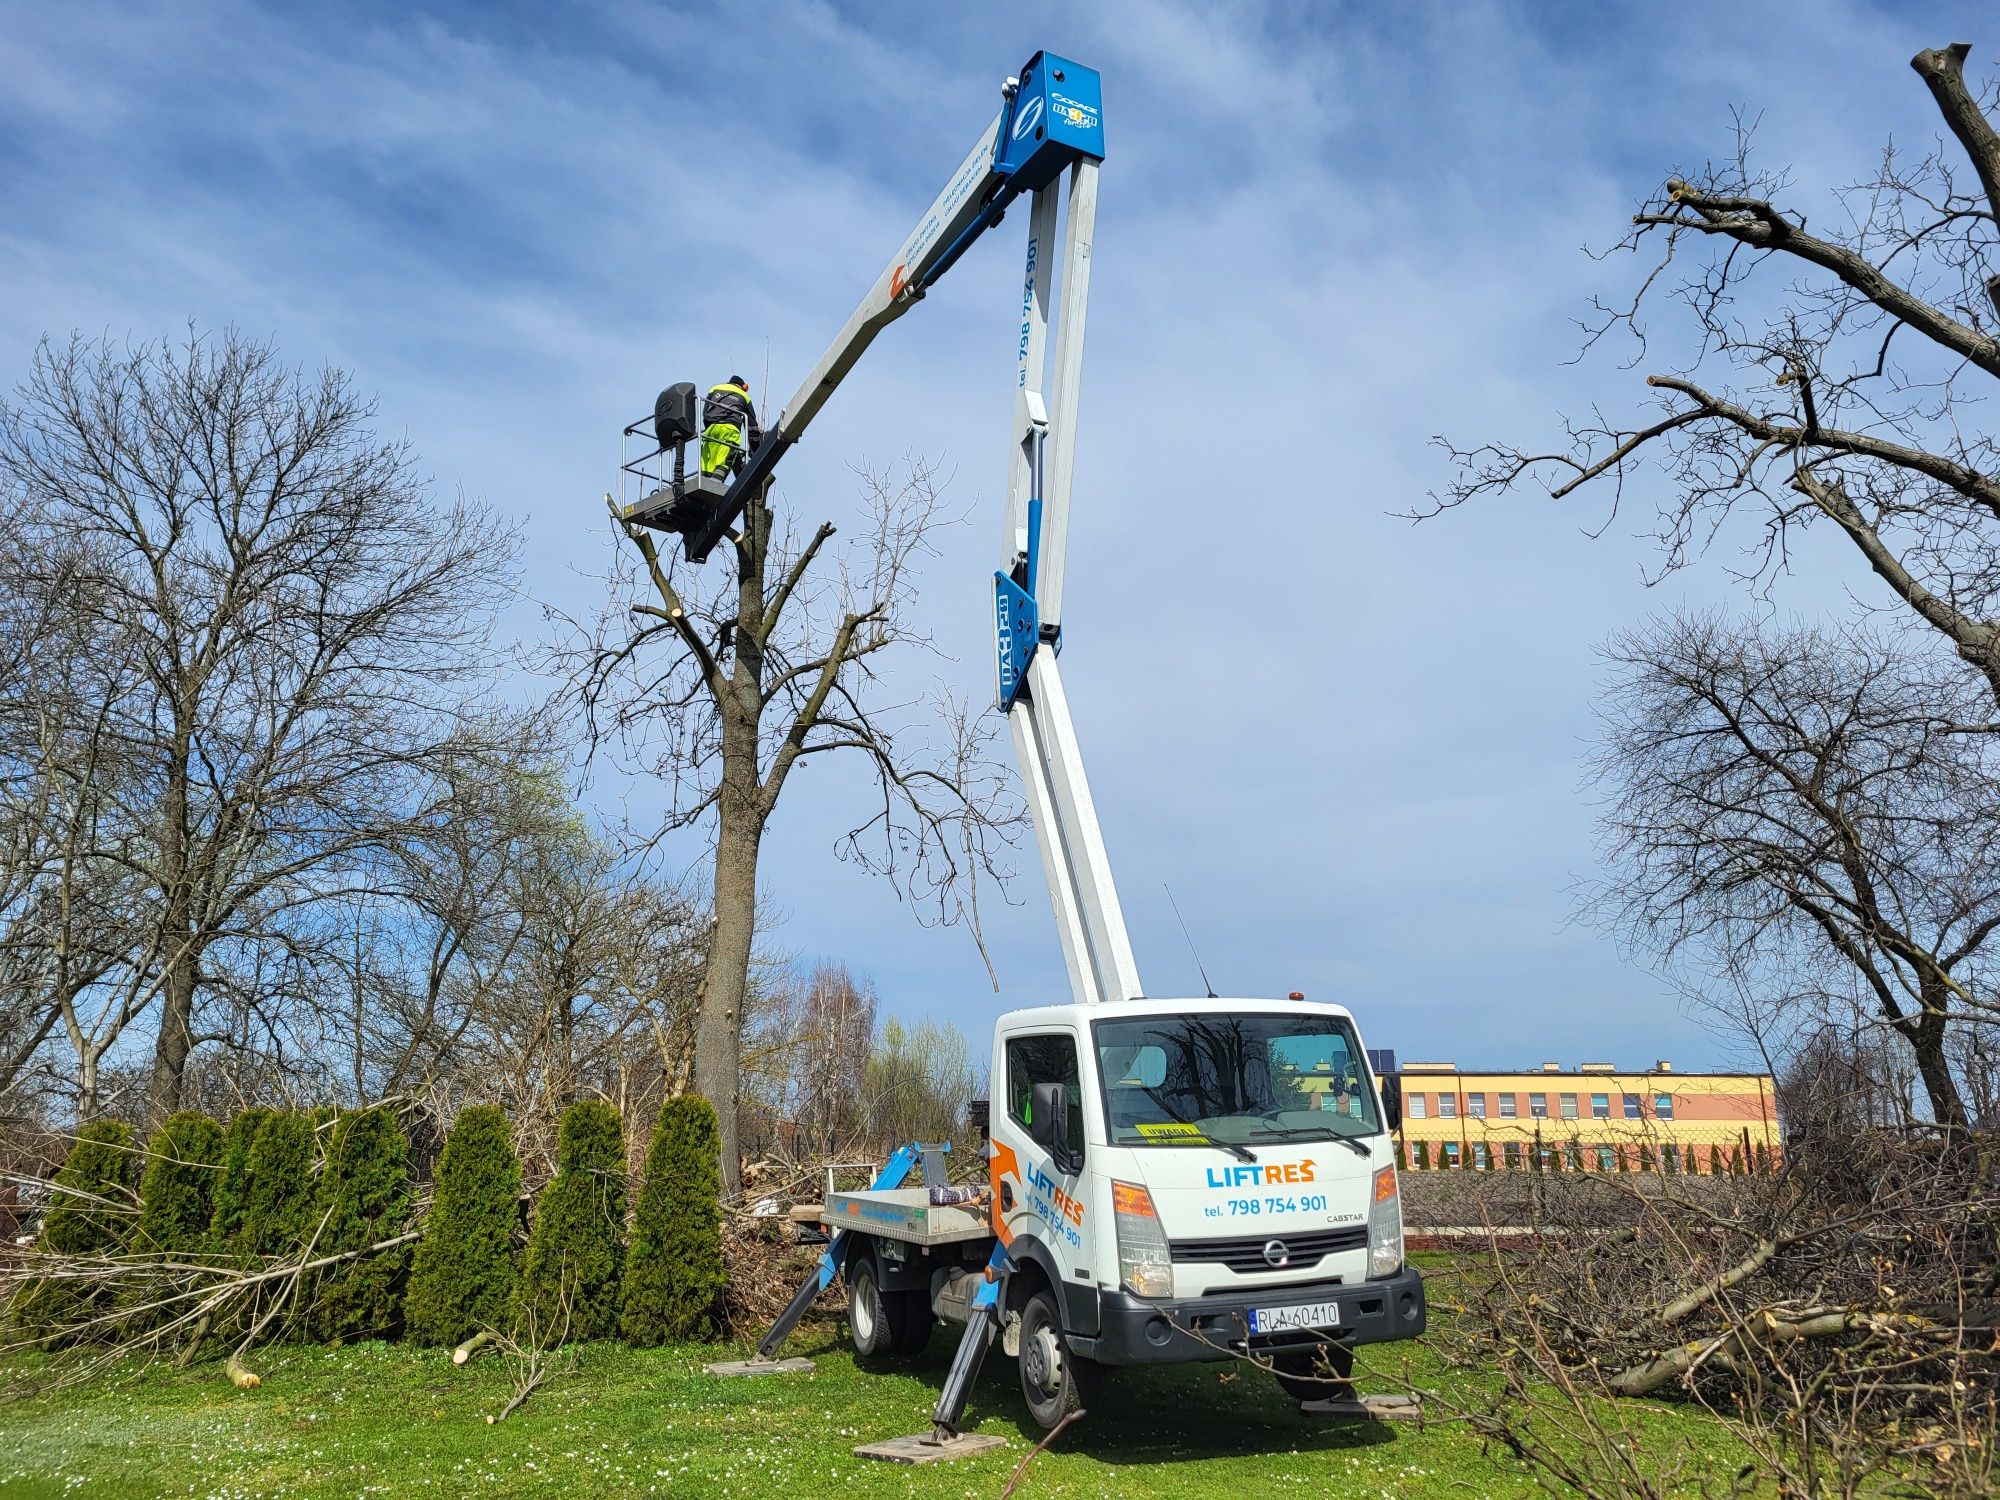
pixel 1135 1201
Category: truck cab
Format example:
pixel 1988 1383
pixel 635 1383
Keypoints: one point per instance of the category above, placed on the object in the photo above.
pixel 1181 1180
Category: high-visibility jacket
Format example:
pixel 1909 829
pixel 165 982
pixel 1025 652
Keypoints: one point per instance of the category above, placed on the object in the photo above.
pixel 728 413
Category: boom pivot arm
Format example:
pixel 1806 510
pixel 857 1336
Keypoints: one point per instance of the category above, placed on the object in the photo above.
pixel 1052 118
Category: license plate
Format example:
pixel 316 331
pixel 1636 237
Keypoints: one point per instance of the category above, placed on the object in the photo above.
pixel 1302 1315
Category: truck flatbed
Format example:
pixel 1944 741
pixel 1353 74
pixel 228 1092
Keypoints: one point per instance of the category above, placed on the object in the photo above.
pixel 905 1214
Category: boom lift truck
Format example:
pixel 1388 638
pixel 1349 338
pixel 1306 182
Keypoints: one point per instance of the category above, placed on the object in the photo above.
pixel 1170 1179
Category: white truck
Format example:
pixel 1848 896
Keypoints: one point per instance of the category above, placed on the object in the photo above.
pixel 1169 1179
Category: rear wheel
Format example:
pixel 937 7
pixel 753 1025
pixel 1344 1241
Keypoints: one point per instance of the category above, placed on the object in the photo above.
pixel 1322 1373
pixel 1054 1381
pixel 875 1319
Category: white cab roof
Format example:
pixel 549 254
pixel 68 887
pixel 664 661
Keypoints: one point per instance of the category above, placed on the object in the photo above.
pixel 1163 1005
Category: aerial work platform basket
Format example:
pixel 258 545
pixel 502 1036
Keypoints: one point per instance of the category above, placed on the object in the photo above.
pixel 655 488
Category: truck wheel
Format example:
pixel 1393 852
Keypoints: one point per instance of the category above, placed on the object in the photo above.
pixel 1318 1374
pixel 1054 1381
pixel 875 1318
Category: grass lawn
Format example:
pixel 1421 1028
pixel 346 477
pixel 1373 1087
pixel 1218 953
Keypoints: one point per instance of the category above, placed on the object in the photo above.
pixel 385 1419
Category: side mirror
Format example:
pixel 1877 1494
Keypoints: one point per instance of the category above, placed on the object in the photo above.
pixel 1392 1103
pixel 979 1116
pixel 1049 1126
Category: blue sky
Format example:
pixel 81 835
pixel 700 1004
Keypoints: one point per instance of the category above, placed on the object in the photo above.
pixel 1354 747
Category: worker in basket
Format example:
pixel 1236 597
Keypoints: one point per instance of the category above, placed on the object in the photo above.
pixel 729 416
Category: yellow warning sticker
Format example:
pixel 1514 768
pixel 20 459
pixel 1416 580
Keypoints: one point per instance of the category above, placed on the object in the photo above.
pixel 1170 1130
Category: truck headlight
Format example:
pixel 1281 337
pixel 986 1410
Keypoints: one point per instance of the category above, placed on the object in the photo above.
pixel 1385 1226
pixel 1145 1265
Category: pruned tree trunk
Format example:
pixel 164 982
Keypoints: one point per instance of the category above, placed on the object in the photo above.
pixel 719 1028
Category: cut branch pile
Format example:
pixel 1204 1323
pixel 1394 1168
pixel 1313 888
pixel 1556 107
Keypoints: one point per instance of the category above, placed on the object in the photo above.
pixel 1842 1311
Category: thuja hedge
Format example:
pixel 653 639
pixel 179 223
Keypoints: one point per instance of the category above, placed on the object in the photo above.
pixel 277 1186
pixel 463 1274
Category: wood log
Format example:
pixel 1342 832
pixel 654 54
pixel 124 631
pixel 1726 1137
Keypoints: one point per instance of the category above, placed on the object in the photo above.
pixel 240 1375
pixel 472 1346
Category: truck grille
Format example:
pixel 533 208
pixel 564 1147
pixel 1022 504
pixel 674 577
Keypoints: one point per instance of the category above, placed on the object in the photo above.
pixel 1247 1254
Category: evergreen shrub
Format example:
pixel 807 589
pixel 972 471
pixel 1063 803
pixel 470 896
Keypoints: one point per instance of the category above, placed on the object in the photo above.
pixel 364 1198
pixel 177 1192
pixel 277 1204
pixel 569 1280
pixel 232 1186
pixel 674 1278
pixel 89 1213
pixel 462 1277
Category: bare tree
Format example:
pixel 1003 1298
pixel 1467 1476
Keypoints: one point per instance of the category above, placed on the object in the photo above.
pixel 814 1040
pixel 727 685
pixel 1809 806
pixel 1825 374
pixel 296 628
pixel 918 1082
pixel 1855 400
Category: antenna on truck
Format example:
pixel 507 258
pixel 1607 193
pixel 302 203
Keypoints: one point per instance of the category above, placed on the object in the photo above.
pixel 1190 941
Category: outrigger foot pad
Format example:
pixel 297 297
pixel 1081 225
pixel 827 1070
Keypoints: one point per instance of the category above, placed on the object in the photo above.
pixel 1391 1408
pixel 931 1447
pixel 759 1366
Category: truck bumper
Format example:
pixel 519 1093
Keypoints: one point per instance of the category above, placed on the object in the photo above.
pixel 1136 1331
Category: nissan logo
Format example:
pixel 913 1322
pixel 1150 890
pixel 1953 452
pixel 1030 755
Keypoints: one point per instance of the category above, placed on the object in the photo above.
pixel 1277 1253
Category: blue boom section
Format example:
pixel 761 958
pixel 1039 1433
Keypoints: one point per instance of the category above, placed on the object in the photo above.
pixel 1054 118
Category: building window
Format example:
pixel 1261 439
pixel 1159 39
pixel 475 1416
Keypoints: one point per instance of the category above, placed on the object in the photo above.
pixel 1512 1151
pixel 1508 1104
pixel 1479 1161
pixel 1573 1156
pixel 1451 1153
pixel 1538 1106
pixel 1569 1106
pixel 1663 1106
pixel 1600 1106
pixel 1606 1160
pixel 1631 1106
pixel 1475 1105
pixel 1414 1106
pixel 1447 1106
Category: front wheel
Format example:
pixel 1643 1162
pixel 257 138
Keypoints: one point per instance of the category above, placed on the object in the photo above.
pixel 1054 1381
pixel 1324 1373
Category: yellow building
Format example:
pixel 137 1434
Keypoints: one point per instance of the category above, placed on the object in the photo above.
pixel 1590 1118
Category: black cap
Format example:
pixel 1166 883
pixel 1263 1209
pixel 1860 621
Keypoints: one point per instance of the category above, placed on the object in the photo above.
pixel 739 380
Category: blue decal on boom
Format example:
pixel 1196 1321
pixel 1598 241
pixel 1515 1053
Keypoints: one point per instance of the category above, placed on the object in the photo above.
pixel 1016 632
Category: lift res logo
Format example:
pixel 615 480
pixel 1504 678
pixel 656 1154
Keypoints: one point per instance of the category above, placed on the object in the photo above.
pixel 1260 1175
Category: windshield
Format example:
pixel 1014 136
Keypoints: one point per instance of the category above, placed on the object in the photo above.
pixel 1181 1080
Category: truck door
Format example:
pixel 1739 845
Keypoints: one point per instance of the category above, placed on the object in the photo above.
pixel 1036 1199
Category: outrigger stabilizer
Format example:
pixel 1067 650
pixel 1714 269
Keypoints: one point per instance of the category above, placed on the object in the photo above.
pixel 983 1319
